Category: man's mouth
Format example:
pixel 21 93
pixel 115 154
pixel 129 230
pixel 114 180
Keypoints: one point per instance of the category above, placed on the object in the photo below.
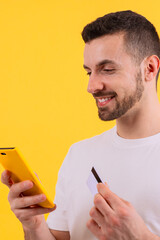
pixel 103 101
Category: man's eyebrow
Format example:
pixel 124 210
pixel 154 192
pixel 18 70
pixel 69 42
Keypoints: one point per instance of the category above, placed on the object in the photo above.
pixel 104 62
pixel 85 67
pixel 101 63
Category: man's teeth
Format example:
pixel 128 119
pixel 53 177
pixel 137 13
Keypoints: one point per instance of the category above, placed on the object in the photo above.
pixel 103 99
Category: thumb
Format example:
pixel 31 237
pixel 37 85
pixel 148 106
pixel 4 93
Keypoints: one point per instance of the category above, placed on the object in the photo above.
pixel 106 184
pixel 6 178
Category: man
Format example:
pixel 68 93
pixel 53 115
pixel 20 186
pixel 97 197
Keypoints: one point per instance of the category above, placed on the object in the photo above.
pixel 121 57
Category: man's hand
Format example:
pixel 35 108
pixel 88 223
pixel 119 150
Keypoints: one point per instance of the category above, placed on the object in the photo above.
pixel 25 208
pixel 114 218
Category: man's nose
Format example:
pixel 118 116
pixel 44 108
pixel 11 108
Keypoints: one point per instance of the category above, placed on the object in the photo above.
pixel 95 84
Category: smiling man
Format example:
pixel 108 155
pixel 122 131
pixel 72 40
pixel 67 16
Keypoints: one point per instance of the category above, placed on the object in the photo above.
pixel 118 69
pixel 121 57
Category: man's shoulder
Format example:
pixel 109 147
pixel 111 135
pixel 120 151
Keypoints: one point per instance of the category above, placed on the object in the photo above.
pixel 95 140
pixel 84 151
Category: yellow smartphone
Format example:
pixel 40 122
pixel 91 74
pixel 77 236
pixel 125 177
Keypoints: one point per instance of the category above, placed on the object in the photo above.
pixel 12 160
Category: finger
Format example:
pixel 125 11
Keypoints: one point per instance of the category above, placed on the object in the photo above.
pixel 125 202
pixel 17 188
pixel 27 201
pixel 97 216
pixel 6 178
pixel 112 199
pixel 103 207
pixel 23 214
pixel 94 228
pixel 37 176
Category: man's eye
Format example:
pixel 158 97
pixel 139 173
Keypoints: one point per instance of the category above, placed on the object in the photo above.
pixel 89 73
pixel 108 70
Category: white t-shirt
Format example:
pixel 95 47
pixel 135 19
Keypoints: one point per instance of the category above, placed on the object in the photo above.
pixel 131 167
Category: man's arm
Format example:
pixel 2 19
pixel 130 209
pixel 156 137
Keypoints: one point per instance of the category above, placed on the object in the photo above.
pixel 40 233
pixel 60 235
pixel 43 233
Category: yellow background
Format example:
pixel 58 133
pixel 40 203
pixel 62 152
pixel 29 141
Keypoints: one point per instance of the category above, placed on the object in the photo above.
pixel 44 105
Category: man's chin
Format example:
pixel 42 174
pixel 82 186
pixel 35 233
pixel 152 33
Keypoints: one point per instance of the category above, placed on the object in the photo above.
pixel 105 116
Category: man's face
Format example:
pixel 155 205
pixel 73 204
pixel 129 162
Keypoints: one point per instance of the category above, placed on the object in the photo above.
pixel 114 79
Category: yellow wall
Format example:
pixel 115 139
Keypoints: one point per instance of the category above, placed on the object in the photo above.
pixel 44 105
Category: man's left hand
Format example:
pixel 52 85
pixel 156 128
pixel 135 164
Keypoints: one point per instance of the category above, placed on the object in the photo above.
pixel 114 218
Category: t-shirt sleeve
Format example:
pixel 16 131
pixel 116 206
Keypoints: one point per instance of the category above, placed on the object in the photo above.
pixel 58 218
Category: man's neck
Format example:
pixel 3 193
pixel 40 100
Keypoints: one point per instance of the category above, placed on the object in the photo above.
pixel 140 123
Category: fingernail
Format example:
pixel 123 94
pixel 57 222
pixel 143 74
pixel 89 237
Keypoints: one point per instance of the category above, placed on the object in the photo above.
pixel 106 184
pixel 28 184
pixel 42 197
pixel 51 209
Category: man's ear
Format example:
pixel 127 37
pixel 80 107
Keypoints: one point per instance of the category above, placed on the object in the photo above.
pixel 152 64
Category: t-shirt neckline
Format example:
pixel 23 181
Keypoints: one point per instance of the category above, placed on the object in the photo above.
pixel 123 142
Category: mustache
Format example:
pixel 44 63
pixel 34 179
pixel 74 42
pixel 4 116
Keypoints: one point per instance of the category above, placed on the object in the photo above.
pixel 104 94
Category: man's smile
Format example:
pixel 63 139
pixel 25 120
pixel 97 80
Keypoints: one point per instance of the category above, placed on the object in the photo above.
pixel 103 101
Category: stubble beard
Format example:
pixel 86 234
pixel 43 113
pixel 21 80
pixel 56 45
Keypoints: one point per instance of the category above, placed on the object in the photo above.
pixel 121 107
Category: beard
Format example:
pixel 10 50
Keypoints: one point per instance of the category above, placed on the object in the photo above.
pixel 121 107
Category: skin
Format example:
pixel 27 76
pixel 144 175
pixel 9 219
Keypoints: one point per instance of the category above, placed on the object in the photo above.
pixel 111 217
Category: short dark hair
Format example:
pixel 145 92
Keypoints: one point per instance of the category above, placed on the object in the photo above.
pixel 140 36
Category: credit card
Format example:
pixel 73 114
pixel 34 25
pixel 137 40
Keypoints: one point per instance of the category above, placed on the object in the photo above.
pixel 92 181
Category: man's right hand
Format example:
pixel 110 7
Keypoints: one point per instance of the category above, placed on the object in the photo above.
pixel 25 208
